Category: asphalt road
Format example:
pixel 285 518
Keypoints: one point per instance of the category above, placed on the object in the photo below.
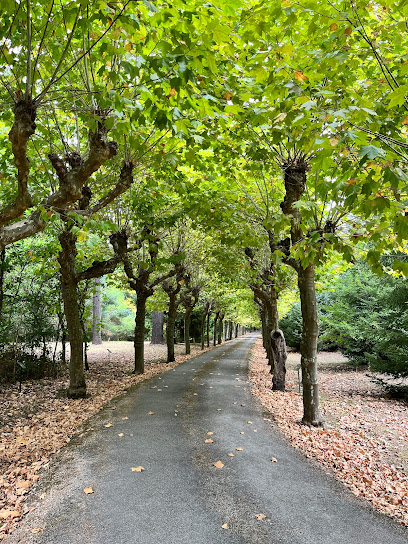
pixel 181 497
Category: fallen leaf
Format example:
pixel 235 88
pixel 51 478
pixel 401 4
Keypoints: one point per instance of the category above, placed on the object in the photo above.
pixel 209 441
pixel 210 433
pixel 9 514
pixel 249 422
pixel 138 469
pixel 121 434
pixel 243 404
pixel 260 516
pixel 239 449
pixel 108 425
pixel 37 530
pixel 219 409
pixel 274 460
pixel 225 526
pixel 231 455
pixel 124 418
pixel 88 490
pixel 150 413
pixel 23 484
pixel 218 464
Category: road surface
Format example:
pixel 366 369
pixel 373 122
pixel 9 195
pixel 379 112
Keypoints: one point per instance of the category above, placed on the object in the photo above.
pixel 165 425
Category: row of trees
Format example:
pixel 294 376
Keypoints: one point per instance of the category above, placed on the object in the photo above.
pixel 244 123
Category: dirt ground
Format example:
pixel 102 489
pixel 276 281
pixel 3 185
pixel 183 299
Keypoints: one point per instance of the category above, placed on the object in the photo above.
pixel 38 422
pixel 365 442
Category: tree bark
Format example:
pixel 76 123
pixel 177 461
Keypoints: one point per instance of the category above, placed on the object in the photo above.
pixel 140 327
pixel 157 328
pixel 171 321
pixel 203 320
pixel 207 334
pixel 279 354
pixel 2 271
pixel 97 314
pixel 295 184
pixel 187 322
pixel 308 347
pixel 216 317
pixel 220 328
pixel 66 258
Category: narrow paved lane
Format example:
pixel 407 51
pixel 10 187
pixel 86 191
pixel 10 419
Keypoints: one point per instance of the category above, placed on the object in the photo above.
pixel 181 497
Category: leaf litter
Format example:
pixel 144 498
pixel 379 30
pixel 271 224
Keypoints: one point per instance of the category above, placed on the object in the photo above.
pixel 365 444
pixel 36 424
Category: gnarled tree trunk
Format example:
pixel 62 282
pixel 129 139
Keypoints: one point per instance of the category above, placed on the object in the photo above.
pixel 66 258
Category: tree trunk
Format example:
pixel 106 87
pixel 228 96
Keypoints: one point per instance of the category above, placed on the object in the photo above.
pixel 220 328
pixel 308 347
pixel 215 328
pixel 236 330
pixel 203 329
pixel 2 271
pixel 157 328
pixel 187 321
pixel 97 314
pixel 279 354
pixel 208 331
pixel 140 327
pixel 171 321
pixel 276 343
pixel 66 258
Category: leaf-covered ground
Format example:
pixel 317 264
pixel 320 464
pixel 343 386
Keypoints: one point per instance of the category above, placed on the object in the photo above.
pixel 35 423
pixel 365 444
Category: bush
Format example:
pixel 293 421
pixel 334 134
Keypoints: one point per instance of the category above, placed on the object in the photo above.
pixel 368 320
pixel 291 325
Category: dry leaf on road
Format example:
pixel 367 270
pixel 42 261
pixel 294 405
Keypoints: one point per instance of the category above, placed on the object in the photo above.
pixel 225 526
pixel 138 469
pixel 218 464
pixel 209 441
pixel 239 449
pixel 108 425
pixel 88 490
pixel 274 460
pixel 260 516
